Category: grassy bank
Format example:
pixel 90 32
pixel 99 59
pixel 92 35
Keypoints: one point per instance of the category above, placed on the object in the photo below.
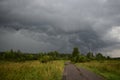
pixel 110 69
pixel 31 70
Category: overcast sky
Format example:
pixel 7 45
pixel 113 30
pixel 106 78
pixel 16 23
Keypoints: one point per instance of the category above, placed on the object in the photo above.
pixel 47 25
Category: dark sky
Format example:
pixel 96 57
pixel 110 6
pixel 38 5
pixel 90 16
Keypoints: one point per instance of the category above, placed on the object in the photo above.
pixel 46 25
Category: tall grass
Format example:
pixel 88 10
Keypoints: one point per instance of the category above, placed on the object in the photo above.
pixel 31 70
pixel 110 69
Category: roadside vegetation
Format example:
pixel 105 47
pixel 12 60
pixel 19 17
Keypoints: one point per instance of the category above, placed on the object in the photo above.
pixel 18 56
pixel 109 69
pixel 31 70
pixel 16 65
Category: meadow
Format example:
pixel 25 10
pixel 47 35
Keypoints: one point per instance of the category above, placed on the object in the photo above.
pixel 109 69
pixel 31 70
pixel 15 65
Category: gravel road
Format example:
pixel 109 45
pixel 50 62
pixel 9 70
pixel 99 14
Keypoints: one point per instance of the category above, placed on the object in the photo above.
pixel 71 72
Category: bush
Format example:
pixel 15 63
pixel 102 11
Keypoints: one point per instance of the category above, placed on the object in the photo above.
pixel 90 56
pixel 83 58
pixel 45 59
pixel 80 58
pixel 100 57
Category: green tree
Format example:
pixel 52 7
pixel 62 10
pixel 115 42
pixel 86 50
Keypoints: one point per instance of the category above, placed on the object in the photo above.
pixel 75 52
pixel 99 56
pixel 75 55
pixel 30 57
pixel 90 55
pixel 45 59
pixel 11 51
pixel 54 55
pixel 82 58
pixel 108 57
pixel 9 55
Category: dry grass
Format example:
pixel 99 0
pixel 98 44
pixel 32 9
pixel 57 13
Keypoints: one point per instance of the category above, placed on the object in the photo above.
pixel 31 70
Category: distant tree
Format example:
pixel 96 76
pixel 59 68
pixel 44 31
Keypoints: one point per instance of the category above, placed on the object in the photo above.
pixel 41 54
pixel 90 55
pixel 45 59
pixel 19 52
pixel 82 58
pixel 11 51
pixel 20 56
pixel 30 57
pixel 99 56
pixel 75 52
pixel 108 57
pixel 54 55
pixel 8 55
pixel 75 55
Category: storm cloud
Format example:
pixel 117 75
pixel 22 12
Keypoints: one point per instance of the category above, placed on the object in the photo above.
pixel 45 25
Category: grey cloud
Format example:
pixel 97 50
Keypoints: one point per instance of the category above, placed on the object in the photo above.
pixel 60 24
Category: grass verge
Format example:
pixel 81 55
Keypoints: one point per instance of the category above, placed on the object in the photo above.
pixel 109 69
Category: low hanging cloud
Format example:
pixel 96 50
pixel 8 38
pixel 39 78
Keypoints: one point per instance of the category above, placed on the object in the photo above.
pixel 45 25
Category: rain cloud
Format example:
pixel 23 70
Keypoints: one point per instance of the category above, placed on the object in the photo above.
pixel 46 25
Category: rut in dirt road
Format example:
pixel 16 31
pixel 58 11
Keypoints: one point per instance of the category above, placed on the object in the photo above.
pixel 71 72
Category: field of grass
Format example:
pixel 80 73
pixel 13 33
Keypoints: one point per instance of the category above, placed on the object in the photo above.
pixel 109 69
pixel 31 70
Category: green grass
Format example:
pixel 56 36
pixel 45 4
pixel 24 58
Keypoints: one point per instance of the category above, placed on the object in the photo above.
pixel 109 69
pixel 31 70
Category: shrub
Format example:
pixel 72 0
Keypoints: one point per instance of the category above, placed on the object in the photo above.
pixel 45 59
pixel 79 58
pixel 100 57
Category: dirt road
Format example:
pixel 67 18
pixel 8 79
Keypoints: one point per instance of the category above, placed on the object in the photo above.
pixel 71 72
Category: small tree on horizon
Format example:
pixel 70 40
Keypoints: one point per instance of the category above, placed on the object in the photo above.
pixel 90 55
pixel 99 56
pixel 75 55
pixel 75 52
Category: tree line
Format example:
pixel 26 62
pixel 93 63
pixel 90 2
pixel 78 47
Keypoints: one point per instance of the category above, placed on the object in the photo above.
pixel 44 57
pixel 19 56
pixel 78 57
